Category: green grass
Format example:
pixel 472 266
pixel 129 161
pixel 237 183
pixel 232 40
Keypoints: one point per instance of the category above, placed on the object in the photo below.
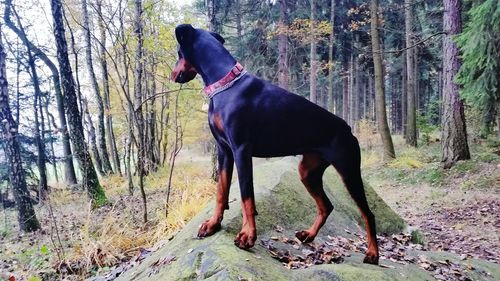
pixel 417 237
pixel 465 166
pixel 432 175
pixel 480 183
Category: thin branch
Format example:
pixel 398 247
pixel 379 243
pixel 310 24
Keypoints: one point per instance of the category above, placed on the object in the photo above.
pixel 162 94
pixel 412 46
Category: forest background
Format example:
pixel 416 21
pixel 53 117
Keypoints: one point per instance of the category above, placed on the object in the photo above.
pixel 102 154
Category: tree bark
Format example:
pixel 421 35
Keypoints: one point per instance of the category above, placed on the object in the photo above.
pixel 404 98
pixel 101 132
pixel 283 46
pixel 70 175
pixel 411 127
pixel 43 189
pixel 331 66
pixel 350 101
pixel 106 94
pixel 89 175
pixel 211 11
pixel 454 132
pixel 138 31
pixel 313 73
pixel 91 135
pixel 381 114
pixel 357 82
pixel 345 90
pixel 26 214
pixel 51 123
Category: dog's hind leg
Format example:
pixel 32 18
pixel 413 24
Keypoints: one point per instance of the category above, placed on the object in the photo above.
pixel 311 170
pixel 347 161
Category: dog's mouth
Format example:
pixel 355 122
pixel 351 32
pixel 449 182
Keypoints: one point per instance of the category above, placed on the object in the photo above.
pixel 183 72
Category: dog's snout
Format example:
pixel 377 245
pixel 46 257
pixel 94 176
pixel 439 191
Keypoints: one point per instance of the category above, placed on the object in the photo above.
pixel 183 72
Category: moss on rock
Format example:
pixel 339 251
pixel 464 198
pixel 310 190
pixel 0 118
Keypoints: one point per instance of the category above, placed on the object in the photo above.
pixel 281 200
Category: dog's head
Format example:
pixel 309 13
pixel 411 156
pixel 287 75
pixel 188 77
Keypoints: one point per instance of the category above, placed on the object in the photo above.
pixel 189 39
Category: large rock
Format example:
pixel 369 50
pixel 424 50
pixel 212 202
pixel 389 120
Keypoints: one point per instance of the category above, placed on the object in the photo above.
pixel 281 200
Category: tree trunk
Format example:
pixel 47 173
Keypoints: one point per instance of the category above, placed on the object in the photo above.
pixel 88 124
pixel 381 113
pixel 357 82
pixel 26 214
pixel 43 189
pixel 350 101
pixel 91 136
pixel 89 175
pixel 213 144
pixel 106 94
pixel 283 46
pixel 331 66
pixel 101 132
pixel 313 73
pixel 411 127
pixel 345 90
pixel 404 98
pixel 454 132
pixel 211 12
pixel 69 169
pixel 125 85
pixel 138 31
pixel 50 121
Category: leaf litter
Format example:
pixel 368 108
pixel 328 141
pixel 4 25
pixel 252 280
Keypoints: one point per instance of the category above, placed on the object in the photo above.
pixel 396 248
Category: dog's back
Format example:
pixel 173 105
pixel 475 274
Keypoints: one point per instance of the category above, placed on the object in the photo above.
pixel 277 122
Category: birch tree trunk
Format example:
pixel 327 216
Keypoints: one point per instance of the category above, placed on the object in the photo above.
pixel 380 107
pixel 26 214
pixel 454 131
pixel 101 132
pixel 138 31
pixel 89 175
pixel 106 94
pixel 411 127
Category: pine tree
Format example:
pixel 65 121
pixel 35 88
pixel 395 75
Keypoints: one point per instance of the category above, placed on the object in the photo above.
pixel 478 75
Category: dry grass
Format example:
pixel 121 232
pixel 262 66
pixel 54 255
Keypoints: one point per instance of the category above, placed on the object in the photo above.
pixel 409 158
pixel 93 240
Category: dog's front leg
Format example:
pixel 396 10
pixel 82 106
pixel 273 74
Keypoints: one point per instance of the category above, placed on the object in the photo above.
pixel 248 234
pixel 225 173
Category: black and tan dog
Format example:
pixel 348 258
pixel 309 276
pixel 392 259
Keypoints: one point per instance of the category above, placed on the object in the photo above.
pixel 250 117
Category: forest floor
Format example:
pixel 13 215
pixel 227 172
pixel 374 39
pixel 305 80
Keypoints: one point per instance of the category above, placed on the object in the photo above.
pixel 456 210
pixel 77 242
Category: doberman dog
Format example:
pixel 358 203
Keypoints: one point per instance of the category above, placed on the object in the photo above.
pixel 250 117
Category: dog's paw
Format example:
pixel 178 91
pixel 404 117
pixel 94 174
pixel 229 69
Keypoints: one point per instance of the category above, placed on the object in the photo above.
pixel 305 236
pixel 371 258
pixel 208 228
pixel 245 239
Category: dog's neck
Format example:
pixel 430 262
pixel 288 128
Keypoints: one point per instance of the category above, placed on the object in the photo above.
pixel 213 68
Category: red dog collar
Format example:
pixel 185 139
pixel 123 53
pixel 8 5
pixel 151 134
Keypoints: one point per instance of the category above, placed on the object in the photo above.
pixel 227 81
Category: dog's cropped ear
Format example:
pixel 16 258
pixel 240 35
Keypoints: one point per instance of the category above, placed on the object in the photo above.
pixel 218 37
pixel 184 32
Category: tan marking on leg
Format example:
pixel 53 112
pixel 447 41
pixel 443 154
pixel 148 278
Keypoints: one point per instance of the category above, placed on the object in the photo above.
pixel 217 119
